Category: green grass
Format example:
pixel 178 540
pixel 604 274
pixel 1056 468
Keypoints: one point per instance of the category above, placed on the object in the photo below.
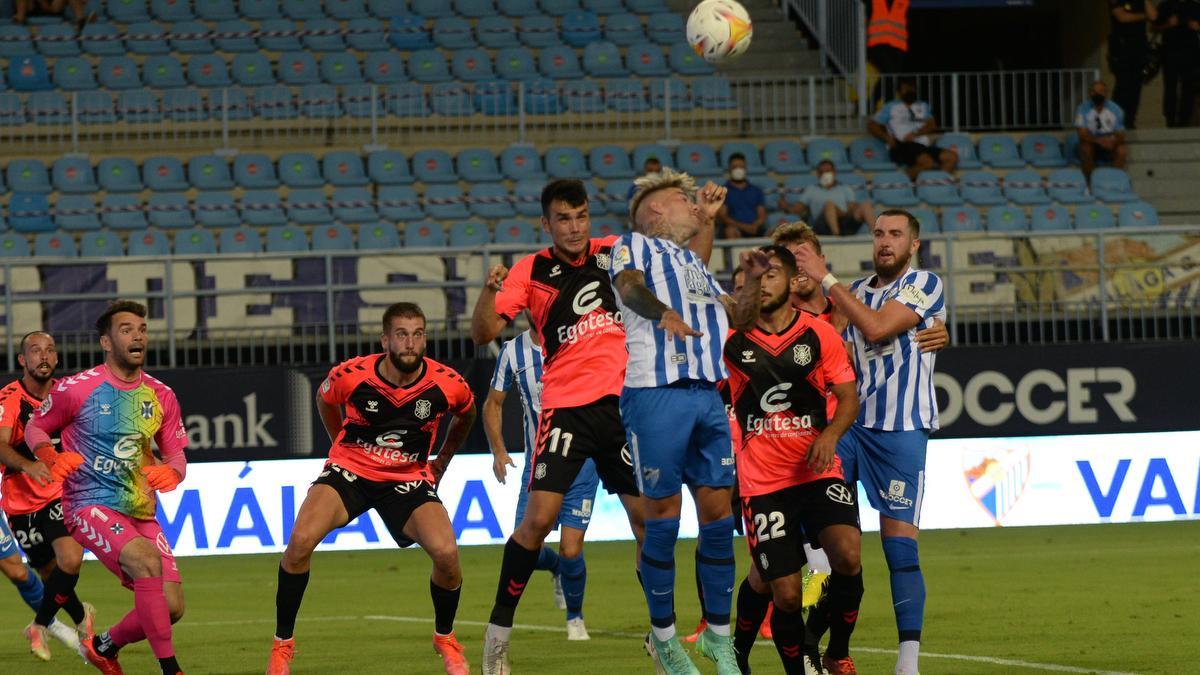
pixel 1105 597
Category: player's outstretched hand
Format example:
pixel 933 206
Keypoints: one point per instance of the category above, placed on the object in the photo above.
pixel 710 198
pixel 933 339
pixel 162 477
pixel 676 327
pixel 500 463
pixel 65 464
pixel 822 452
pixel 810 263
pixel 756 263
pixel 496 276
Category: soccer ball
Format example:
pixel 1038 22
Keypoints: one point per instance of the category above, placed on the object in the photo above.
pixel 719 30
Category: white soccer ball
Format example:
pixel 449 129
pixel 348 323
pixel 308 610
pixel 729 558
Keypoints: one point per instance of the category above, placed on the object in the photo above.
pixel 719 29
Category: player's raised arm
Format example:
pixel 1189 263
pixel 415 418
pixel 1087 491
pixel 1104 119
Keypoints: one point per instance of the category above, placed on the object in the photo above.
pixel 710 198
pixel 486 324
pixel 743 306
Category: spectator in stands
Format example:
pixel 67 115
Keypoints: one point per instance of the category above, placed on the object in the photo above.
pixel 887 44
pixel 1179 23
pixel 651 165
pixel 1129 52
pixel 905 125
pixel 744 213
pixel 1101 126
pixel 22 9
pixel 829 206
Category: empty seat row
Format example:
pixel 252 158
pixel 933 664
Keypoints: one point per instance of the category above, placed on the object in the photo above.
pixel 1011 219
pixel 1023 187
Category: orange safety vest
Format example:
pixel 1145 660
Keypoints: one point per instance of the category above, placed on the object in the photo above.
pixel 888 26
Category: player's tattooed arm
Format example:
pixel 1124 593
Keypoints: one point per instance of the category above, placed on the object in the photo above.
pixel 709 198
pixel 331 417
pixel 485 323
pixel 631 286
pixel 824 448
pixel 744 306
pixel 493 428
pixel 460 426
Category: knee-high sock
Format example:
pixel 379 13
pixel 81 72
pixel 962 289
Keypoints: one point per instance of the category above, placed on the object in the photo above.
pixel 751 610
pixel 658 574
pixel 515 569
pixel 574 581
pixel 716 566
pixel 548 560
pixel 787 630
pixel 700 584
pixel 59 591
pixel 287 602
pixel 908 597
pixel 817 560
pixel 845 595
pixel 31 590
pixel 445 607
pixel 125 632
pixel 151 606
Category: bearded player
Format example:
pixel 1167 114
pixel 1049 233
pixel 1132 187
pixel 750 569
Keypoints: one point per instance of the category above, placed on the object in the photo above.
pixel 109 417
pixel 383 413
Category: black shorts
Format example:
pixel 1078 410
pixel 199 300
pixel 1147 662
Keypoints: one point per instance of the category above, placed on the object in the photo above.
pixel 847 225
pixel 779 523
pixel 393 501
pixel 567 437
pixel 906 153
pixel 36 532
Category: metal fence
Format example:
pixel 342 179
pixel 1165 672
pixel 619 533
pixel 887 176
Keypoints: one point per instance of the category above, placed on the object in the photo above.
pixel 315 308
pixel 839 29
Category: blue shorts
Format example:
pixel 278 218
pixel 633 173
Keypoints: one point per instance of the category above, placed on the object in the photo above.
pixel 677 434
pixel 577 504
pixel 8 544
pixel 891 467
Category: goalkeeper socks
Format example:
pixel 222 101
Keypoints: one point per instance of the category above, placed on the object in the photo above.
pixel 548 560
pixel 574 579
pixel 169 666
pixel 445 606
pixel 845 595
pixel 817 560
pixel 787 630
pixel 751 610
pixel 515 570
pixel 699 584
pixel 31 590
pixel 658 574
pixel 125 632
pixel 151 607
pixel 287 602
pixel 715 564
pixel 59 589
pixel 908 586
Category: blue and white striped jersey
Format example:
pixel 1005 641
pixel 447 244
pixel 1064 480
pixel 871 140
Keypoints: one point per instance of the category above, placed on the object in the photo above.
pixel 895 380
pixel 520 362
pixel 678 278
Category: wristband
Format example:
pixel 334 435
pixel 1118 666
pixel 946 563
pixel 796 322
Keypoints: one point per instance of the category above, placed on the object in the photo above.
pixel 828 282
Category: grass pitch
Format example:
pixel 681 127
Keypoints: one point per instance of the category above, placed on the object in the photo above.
pixel 1065 599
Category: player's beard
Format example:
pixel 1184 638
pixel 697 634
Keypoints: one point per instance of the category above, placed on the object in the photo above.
pixel 406 367
pixel 41 376
pixel 885 270
pixel 776 301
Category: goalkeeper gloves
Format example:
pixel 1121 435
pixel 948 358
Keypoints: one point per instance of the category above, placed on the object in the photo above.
pixel 64 465
pixel 161 477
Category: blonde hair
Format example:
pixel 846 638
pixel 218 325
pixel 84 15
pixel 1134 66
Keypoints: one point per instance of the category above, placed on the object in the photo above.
pixel 795 232
pixel 661 180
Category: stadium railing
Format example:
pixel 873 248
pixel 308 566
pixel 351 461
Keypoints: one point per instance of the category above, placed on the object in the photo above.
pixel 314 308
pixel 839 28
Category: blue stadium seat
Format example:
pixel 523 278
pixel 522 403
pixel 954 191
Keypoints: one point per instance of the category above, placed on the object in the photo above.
pixel 29 212
pixel 539 32
pixel 603 59
pixel 191 37
pixel 12 109
pixel 239 240
pixel 28 73
pixel 565 161
pixel 559 63
pixel 340 69
pixel 161 174
pixel 384 68
pixel 208 71
pixel 580 28
pixel 48 107
pixel 518 8
pixel 926 218
pixel 319 101
pixel 300 170
pixel 477 165
pixel 433 166
pixel 73 175
pixel 424 234
pixel 302 10
pixel 749 151
pixel 527 197
pixel 496 32
pixel 28 175
pixel 542 97
pixel 1000 151
pixel 55 245
pixel 624 29
pixel 159 72
pixel 323 35
pixel 53 40
pixel 209 172
pixel 604 7
pixel 298 68
pixel 643 152
pixel 961 219
pixel 665 28
pixel 308 207
pixel 490 200
pixel 146 37
pixel 286 238
pixel 343 169
pixel 279 35
pixel 400 202
pixel 1068 186
pixel 1042 151
pixel 187 105
pixel 685 61
pixel 127 11
pixel 1112 185
pixel 354 205
pixel 559 7
pixel 169 10
pixel 514 231
pixel 1093 217
pixel 466 234
pixel 680 98
pixel 608 227
pixel 74 73
pixel 582 96
pixel 388 167
pixel 254 171
pixel 1025 188
pixel 963 146
pixel 346 10
pixel 1137 214
pixel 407 100
pixel 151 243
pixel 453 32
pixel 196 241
pixel 16 41
pixel 95 107
pixel 981 188
pixel 821 149
pixel 1006 219
pixel 515 63
pixel 335 237
pixel 123 212
pixel 697 159
pixel 786 157
pixel 870 154
pixel 139 106
pixel 13 245
pixel 646 60
pixel 857 183
pixel 521 161
pixel 445 202
pixel 118 174
pixel 495 97
pixel 216 10
pixel 358 99
pixel 938 188
pixel 472 65
pixel 627 96
pixel 597 205
pixel 102 39
pixel 431 8
pixel 275 102
pixel 257 10
pixel 409 32
pixel 1050 217
pixel 252 70
pixel 428 65
pixel 609 161
pixel 76 212
pixel 378 236
pixel 366 35
pixel 616 196
pixel 169 210
pixel 893 188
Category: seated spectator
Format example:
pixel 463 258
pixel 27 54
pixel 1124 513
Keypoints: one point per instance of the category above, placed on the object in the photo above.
pixel 744 213
pixel 1101 127
pixel 22 9
pixel 651 165
pixel 905 125
pixel 830 206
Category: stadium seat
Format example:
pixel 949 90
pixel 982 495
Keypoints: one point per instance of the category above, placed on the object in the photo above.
pixel 76 212
pixel 366 35
pixel 29 73
pixel 559 7
pixel 539 32
pixel 275 102
pixel 151 243
pixel 409 33
pixel 583 96
pixel 187 105
pixel 127 11
pixel 961 219
pixel 1042 151
pixel 963 146
pixel 302 10
pixel 495 97
pixel 53 40
pixel 518 8
pixel 209 172
pixel 604 7
pixel 170 11
pixel 603 59
pixel 786 157
pixel 340 69
pixel 646 7
pixel 28 175
pixel 308 207
pixel 938 189
pixel 1000 151
pixel 445 202
pixel 641 153
pixel 343 169
pixel 384 68
pixel 216 10
pixel 258 10
pixel 616 196
pixel 319 101
pixel 333 237
pixel 431 8
pixel 323 35
pixel 279 35
pixel 858 183
pixel 159 72
pixel 1006 219
pixel 101 39
pixel 521 161
pixel 1025 188
pixel 139 106
pixel 608 227
pixel 565 162
pixel 254 172
pixel 72 175
pixel 160 174
pixel 1137 214
pixel 628 96
pixel 469 234
pixel 15 41
pixel 196 241
pixel 477 165
pixel 74 73
pixel 665 28
pixel 286 238
pixel 428 66
pixel 981 188
pixel 453 32
pixel 262 208
pixel 400 202
pixel 713 93
pixel 123 212
pixel 29 212
pixel 298 68
pixel 13 245
pixel 1050 217
pixel 646 60
pixel 580 28
pixel 300 170
pixel 100 245
pixel 424 234
pixel 208 71
pixel 821 149
pixel 515 231
pixel 680 98
pixel 926 218
pixel 169 210
pixel 433 166
pixel 471 65
pixel 609 161
pixel 146 38
pixel 95 107
pixel 252 70
pixel 55 245
pixel 353 205
pixel 496 32
pixel 48 107
pixel 407 100
pixel 1112 185
pixel 239 240
pixel 118 174
pixel 559 63
pixel 191 37
pixel 684 61
pixel 624 29
pixel 892 188
pixel 346 10
pixel 871 154
pixel 12 109
pixel 527 197
pixel 378 236
pixel 749 151
pixel 597 204
pixel 697 159
pixel 1068 186
pixel 388 167
pixel 1093 217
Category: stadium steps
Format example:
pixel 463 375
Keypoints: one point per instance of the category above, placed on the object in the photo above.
pixel 778 48
pixel 1164 165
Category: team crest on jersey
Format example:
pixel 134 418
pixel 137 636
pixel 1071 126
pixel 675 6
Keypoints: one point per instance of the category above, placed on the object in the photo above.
pixel 762 560
pixel 603 261
pixel 802 354
pixel 422 409
pixel 116 528
pixel 147 410
pixel 540 472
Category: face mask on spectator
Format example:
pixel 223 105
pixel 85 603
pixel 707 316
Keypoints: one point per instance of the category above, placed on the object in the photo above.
pixel 826 179
pixel 738 174
pixel 1097 100
pixel 909 97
